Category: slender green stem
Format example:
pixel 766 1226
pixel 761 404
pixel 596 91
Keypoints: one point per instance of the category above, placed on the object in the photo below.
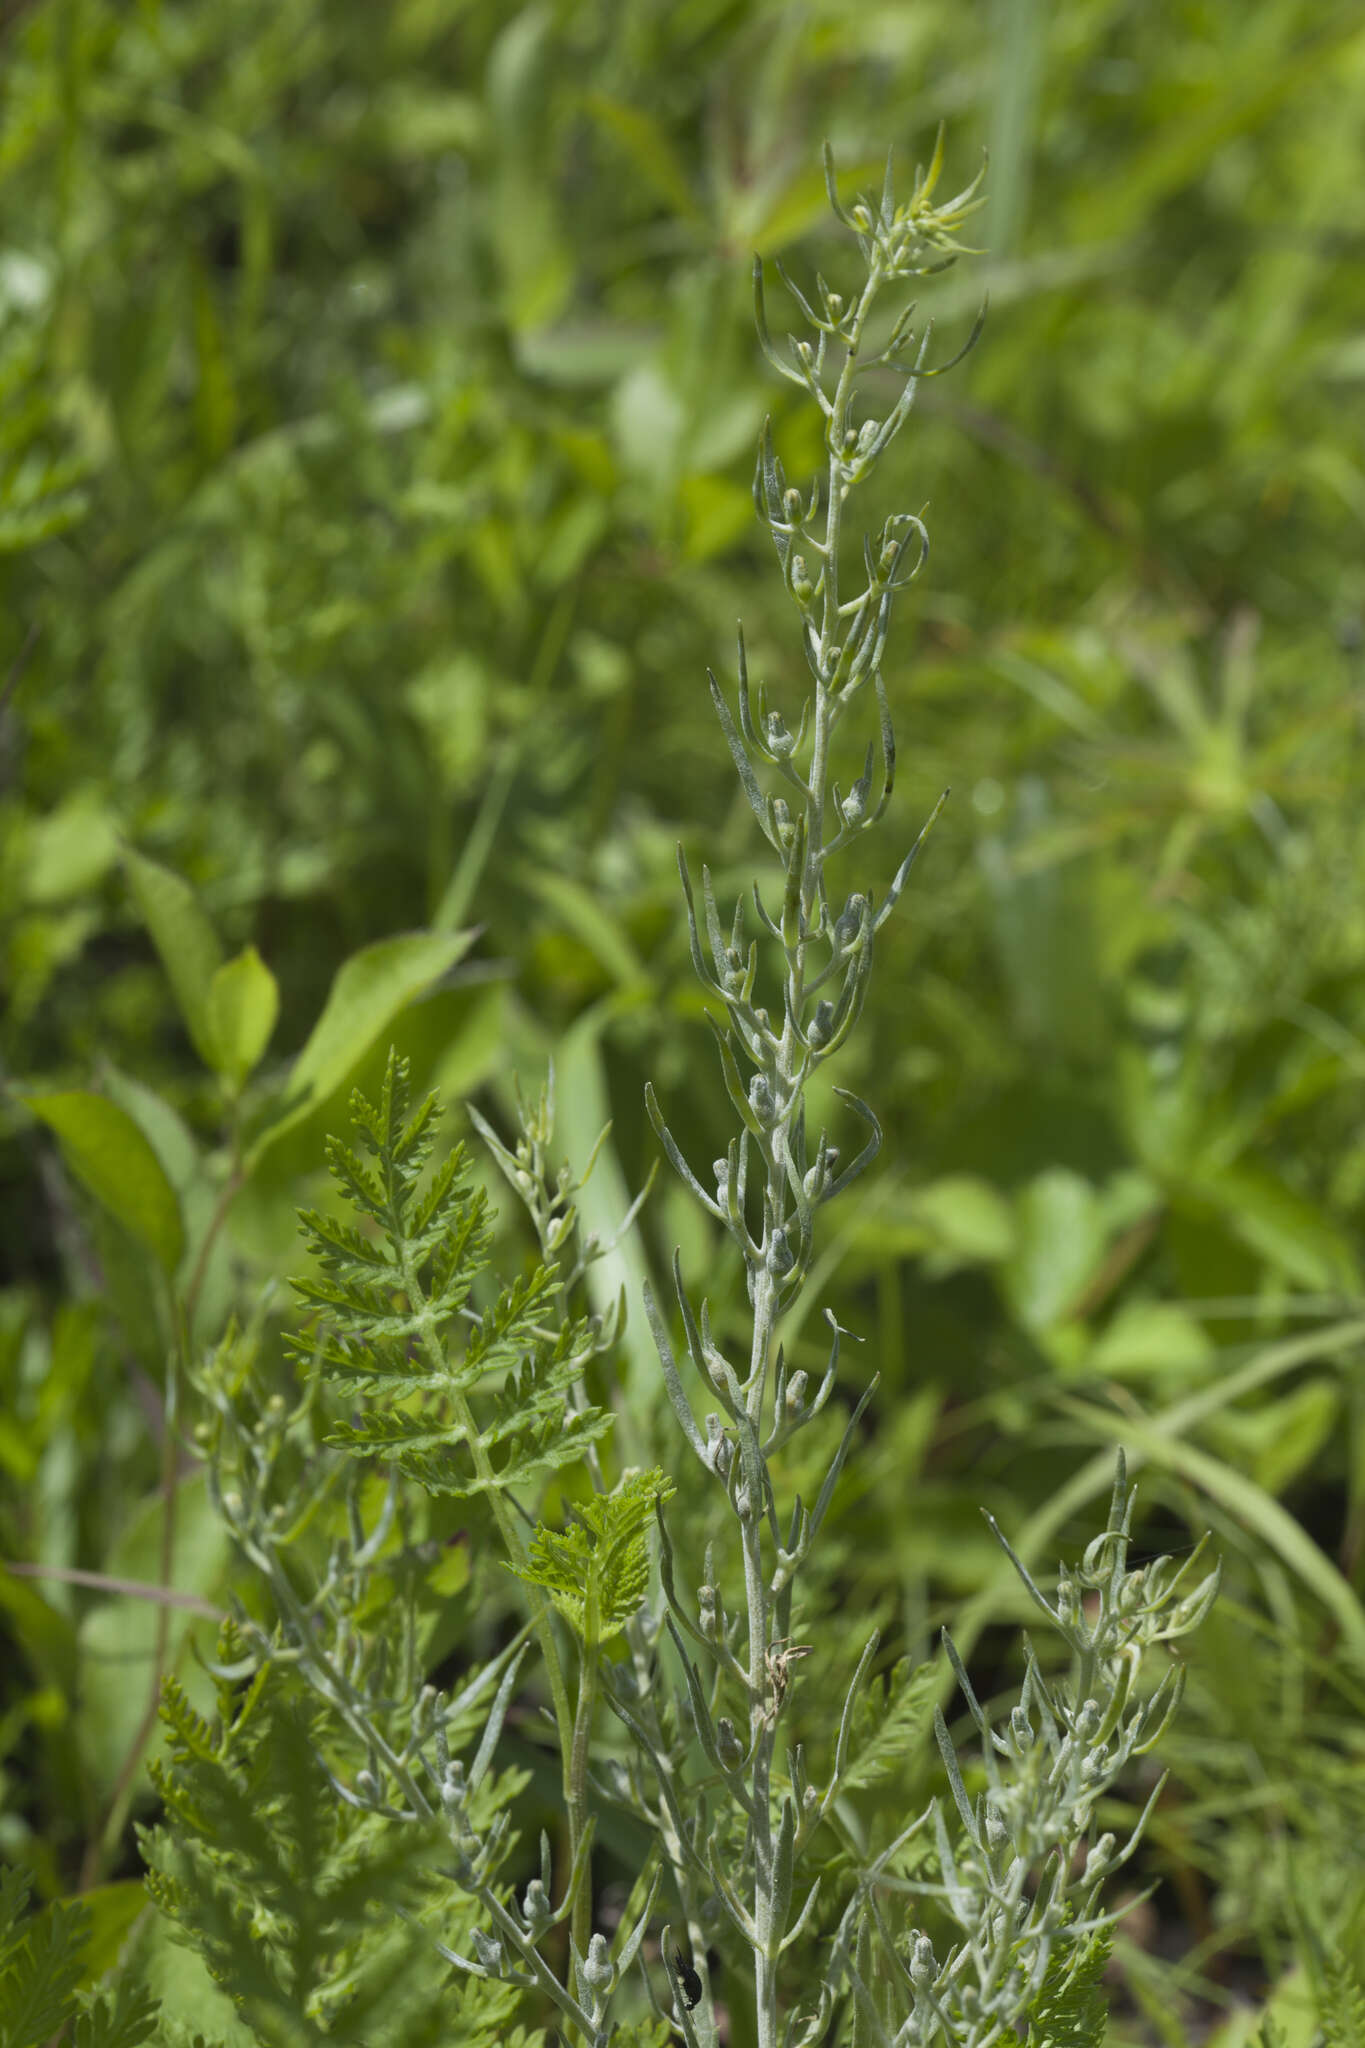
pixel 104 1840
pixel 514 1546
pixel 576 1774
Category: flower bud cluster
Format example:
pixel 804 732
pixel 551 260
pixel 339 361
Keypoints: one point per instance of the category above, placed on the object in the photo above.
pixel 1021 1876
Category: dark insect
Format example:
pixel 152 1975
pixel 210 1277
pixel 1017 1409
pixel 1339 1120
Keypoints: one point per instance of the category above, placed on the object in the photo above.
pixel 691 1982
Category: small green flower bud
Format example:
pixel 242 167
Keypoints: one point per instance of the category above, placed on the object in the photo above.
pixel 818 1032
pixel 453 1790
pixel 1088 1719
pixel 923 1965
pixel 849 923
pixel 488 1949
pixel 1021 1728
pixel 536 1909
pixel 794 1399
pixel 599 1971
pixel 780 741
pixel 1133 1591
pixel 728 1745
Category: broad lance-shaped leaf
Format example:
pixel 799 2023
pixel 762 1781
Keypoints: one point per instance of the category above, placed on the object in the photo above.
pixel 243 1004
pixel 110 1156
pixel 184 937
pixel 596 1570
pixel 370 990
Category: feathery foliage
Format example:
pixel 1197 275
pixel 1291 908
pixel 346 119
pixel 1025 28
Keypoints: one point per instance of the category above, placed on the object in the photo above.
pixel 596 1570
pixel 43 1968
pixel 1071 2010
pixel 40 1964
pixel 304 1908
pixel 485 1404
pixel 1341 2003
pixel 394 1300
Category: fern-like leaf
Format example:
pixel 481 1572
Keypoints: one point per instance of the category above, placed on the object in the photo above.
pixel 292 1899
pixel 1071 2010
pixel 121 2018
pixel 431 1247
pixel 43 1962
pixel 14 1890
pixel 596 1570
pixel 389 1292
pixel 1341 2004
pixel 889 1726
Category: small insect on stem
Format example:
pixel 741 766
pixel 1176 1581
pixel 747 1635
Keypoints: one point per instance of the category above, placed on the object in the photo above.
pixel 688 1978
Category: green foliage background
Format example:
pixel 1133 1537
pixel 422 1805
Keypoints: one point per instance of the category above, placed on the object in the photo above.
pixel 378 397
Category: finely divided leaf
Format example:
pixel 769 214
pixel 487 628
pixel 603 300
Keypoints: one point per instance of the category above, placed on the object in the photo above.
pixel 890 1725
pixel 1341 2004
pixel 43 1962
pixel 1071 2009
pixel 394 1323
pixel 597 1569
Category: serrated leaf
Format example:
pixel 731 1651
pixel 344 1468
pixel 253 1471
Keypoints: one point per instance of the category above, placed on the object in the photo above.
pixel 596 1569
pixel 41 1975
pixel 1071 2009
pixel 891 1725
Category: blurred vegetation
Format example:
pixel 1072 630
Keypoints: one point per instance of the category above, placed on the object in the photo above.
pixel 378 398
